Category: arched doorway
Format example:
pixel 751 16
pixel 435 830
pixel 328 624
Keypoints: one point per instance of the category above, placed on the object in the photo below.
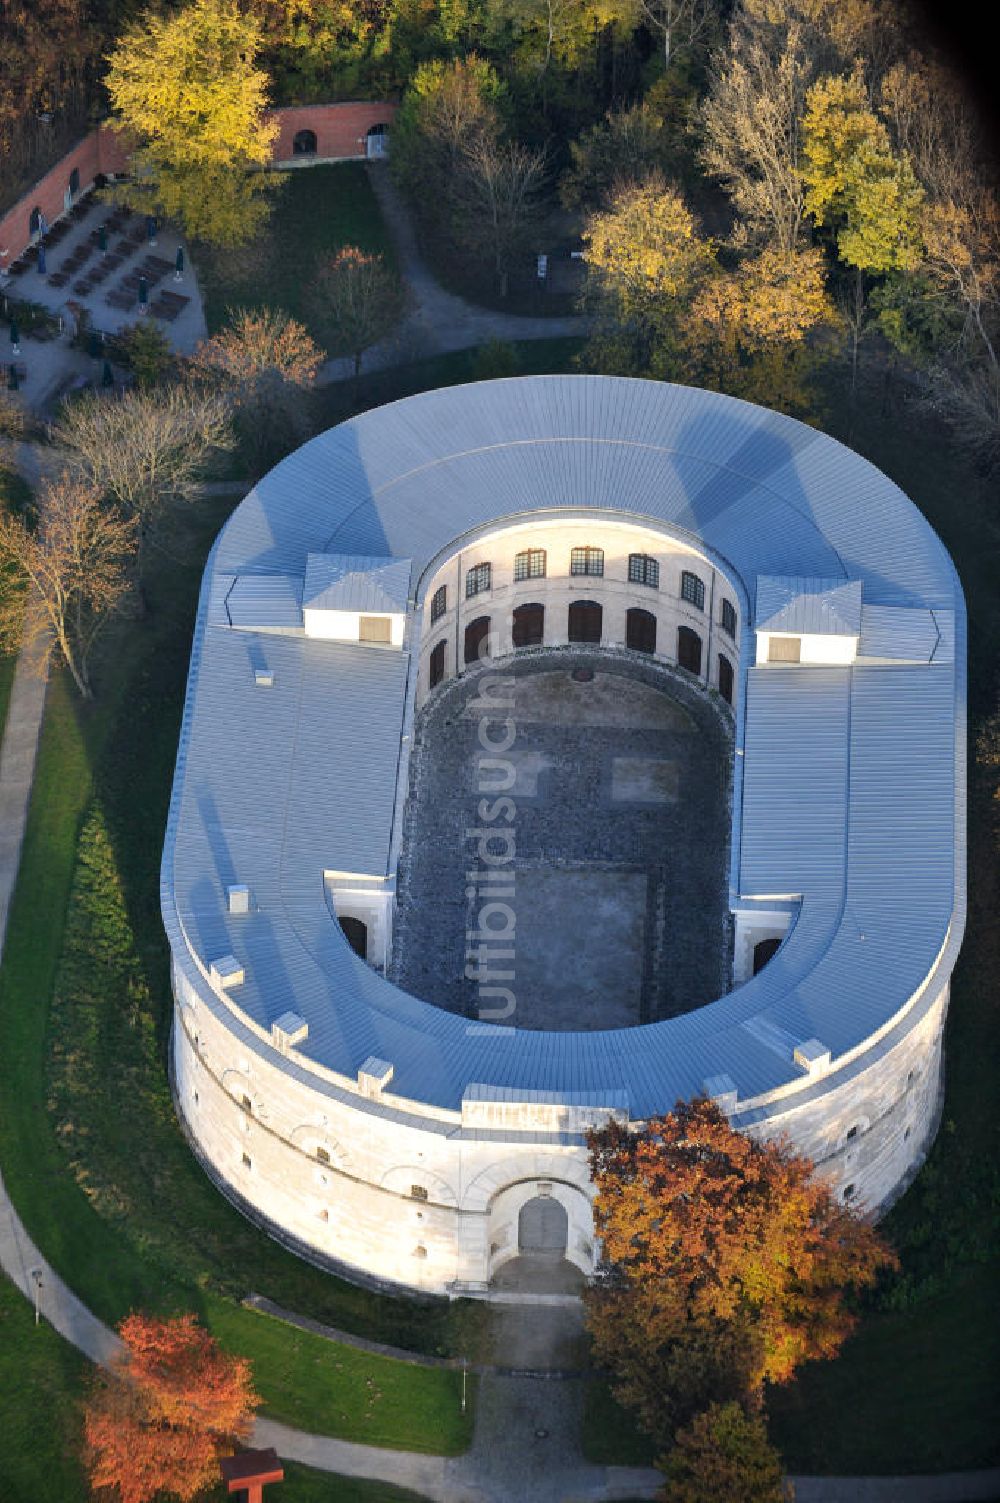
pixel 74 182
pixel 477 640
pixel 764 952
pixel 586 621
pixel 436 665
pixel 640 630
pixel 356 934
pixel 688 649
pixel 377 141
pixel 35 221
pixel 529 625
pixel 304 143
pixel 543 1229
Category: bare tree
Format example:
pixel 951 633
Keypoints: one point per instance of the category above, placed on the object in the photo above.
pixel 12 427
pixel 145 449
pixel 356 301
pixel 503 183
pixel 71 561
pixel 682 24
pixel 264 360
pixel 753 132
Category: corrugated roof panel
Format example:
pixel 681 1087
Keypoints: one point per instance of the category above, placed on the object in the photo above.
pixel 852 778
pixel 829 607
pixel 907 634
pixel 266 602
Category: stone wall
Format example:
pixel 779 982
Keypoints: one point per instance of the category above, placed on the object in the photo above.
pixel 558 589
pixel 341 132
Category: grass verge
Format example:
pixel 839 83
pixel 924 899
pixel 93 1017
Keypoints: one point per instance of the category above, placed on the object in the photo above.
pixel 315 211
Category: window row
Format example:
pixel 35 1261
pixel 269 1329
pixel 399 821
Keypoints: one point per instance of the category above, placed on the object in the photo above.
pixel 585 624
pixel 531 563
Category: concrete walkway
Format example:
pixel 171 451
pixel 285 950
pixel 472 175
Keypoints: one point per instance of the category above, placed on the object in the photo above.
pixel 439 322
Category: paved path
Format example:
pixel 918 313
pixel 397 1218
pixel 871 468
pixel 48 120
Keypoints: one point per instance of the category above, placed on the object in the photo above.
pixel 439 321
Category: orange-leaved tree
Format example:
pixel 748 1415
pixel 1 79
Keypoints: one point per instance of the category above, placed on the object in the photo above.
pixel 724 1454
pixel 729 1263
pixel 160 1419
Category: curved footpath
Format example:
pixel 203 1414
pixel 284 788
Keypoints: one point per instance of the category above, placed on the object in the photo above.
pixel 526 1447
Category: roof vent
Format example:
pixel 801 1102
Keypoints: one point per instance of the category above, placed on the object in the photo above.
pixel 374 1075
pixel 722 1090
pixel 263 678
pixel 238 898
pixel 290 1029
pixel 226 971
pixel 812 1056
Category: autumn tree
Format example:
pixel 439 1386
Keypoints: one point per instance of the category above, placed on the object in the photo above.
pixel 265 360
pixel 164 1415
pixel 144 449
pixel 186 90
pixel 69 558
pixel 752 121
pixel 856 185
pixel 724 1453
pixel 12 427
pixel 356 301
pixel 645 259
pixel 751 331
pixel 703 1227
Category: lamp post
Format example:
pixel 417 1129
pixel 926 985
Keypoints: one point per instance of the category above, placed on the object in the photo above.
pixel 36 1279
pixel 15 338
pixel 179 264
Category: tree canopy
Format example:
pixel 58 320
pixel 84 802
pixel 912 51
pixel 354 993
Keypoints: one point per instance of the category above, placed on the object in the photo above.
pixel 161 1419
pixel 187 90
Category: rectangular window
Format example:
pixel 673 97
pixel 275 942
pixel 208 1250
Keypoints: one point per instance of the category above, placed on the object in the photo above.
pixel 643 570
pixel 246 1161
pixel 418 1192
pixel 478 580
pixel 439 604
pixel 729 618
pixel 530 564
pixel 784 649
pixel 693 590
pixel 323 1154
pixel 587 561
pixel 246 1103
pixel 375 629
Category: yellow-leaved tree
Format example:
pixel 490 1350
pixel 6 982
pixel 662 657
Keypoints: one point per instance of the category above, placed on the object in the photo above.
pixel 187 92
pixel 855 184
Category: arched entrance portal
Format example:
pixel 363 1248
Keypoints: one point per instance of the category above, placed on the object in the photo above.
pixel 543 1229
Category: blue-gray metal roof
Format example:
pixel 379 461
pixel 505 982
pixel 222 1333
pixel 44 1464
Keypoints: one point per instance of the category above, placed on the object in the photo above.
pixel 825 606
pixel 849 797
pixel 346 582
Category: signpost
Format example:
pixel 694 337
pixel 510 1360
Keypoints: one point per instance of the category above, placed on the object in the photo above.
pixel 251 1471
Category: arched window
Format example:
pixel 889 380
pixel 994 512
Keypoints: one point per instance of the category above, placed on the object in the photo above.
pixel 640 630
pixel 436 665
pixel 764 952
pixel 304 143
pixel 530 564
pixel 693 590
pixel 725 678
pixel 729 618
pixel 439 603
pixel 356 934
pixel 35 221
pixel 587 561
pixel 529 625
pixel 478 580
pixel 586 621
pixel 477 639
pixel 74 182
pixel 643 570
pixel 688 649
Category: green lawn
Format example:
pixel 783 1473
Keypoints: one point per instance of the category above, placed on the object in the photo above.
pixel 42 1381
pixel 315 212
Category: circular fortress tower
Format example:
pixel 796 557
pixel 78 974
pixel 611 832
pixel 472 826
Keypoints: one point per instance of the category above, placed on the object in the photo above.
pixel 697 673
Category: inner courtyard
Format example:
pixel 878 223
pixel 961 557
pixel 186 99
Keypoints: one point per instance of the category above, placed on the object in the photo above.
pixel 565 848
